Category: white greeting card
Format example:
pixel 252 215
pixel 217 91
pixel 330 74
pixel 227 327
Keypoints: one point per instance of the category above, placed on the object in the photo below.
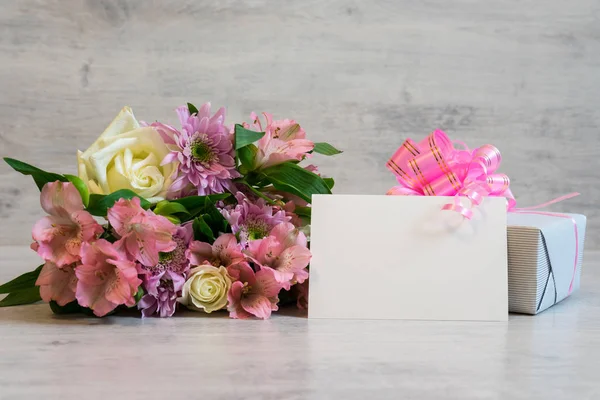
pixel 402 257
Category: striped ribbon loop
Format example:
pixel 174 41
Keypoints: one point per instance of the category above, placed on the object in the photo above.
pixel 435 167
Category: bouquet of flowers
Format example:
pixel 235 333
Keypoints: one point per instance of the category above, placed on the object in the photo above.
pixel 207 216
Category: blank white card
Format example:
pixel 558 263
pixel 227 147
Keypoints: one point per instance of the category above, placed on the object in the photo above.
pixel 402 257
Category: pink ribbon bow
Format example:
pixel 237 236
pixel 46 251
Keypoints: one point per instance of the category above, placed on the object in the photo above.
pixel 435 167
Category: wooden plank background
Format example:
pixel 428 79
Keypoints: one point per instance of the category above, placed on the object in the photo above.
pixel 363 75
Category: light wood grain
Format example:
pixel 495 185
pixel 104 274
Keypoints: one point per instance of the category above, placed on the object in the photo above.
pixel 550 356
pixel 361 75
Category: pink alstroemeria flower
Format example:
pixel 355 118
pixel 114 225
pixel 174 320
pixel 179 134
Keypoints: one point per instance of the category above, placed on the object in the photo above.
pixel 57 283
pixel 107 278
pixel 59 236
pixel 285 251
pixel 284 140
pixel 252 294
pixel 142 233
pixel 224 252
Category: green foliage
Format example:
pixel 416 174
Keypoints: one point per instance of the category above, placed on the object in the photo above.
pixel 329 182
pixel 304 212
pixel 99 203
pixel 291 178
pixel 202 231
pixel 326 149
pixel 40 177
pixel 69 308
pixel 246 156
pixel 22 289
pixel 25 296
pixel 197 205
pixel 81 187
pixel 244 137
pixel 168 208
pixel 192 108
pixel 25 281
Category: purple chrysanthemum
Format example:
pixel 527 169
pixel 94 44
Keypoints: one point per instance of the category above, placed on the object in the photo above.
pixel 162 292
pixel 176 260
pixel 251 221
pixel 204 150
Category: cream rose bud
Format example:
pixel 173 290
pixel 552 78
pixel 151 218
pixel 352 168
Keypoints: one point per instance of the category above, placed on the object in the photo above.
pixel 206 288
pixel 127 156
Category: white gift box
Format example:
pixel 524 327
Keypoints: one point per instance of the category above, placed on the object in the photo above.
pixel 541 260
pixel 402 257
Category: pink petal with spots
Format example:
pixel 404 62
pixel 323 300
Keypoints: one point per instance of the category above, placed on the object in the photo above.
pixel 257 305
pixel 293 259
pixel 234 306
pixel 266 284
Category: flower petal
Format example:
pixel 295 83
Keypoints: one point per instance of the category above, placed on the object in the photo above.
pixel 257 305
pixel 199 252
pixel 293 259
pixel 60 199
pixel 57 284
pixel 266 284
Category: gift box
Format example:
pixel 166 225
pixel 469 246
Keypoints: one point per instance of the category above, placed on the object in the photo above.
pixel 544 259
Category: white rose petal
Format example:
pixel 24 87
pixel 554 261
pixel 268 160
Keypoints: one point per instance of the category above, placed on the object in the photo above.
pixel 206 289
pixel 127 156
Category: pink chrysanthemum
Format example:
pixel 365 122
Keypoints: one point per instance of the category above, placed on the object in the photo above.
pixel 252 221
pixel 175 261
pixel 162 291
pixel 204 149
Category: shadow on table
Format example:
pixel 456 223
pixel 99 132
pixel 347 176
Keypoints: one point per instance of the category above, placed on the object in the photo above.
pixel 40 314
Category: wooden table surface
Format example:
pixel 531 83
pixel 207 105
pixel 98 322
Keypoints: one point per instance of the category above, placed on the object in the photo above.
pixel 555 355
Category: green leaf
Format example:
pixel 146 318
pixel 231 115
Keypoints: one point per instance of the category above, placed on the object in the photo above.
pixel 197 205
pixel 326 149
pixel 169 208
pixel 244 137
pixel 202 231
pixel 215 219
pixel 139 294
pixel 192 108
pixel 25 296
pixel 69 308
pixel 99 203
pixel 330 182
pixel 246 156
pixel 81 187
pixel 305 212
pixel 25 281
pixel 174 220
pixel 192 202
pixel 40 177
pixel 289 177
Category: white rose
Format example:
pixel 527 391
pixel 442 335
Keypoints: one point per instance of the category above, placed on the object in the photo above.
pixel 127 156
pixel 206 289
